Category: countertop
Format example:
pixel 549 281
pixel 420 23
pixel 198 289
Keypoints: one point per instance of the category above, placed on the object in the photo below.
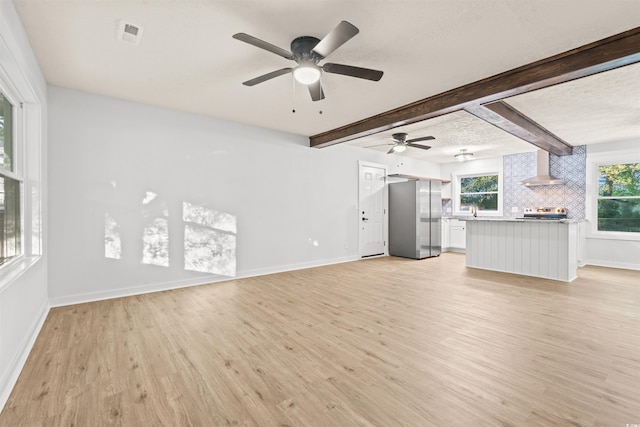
pixel 499 219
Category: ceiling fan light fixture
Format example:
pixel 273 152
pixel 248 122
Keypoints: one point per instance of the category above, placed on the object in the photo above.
pixel 306 74
pixel 307 52
pixel 399 148
pixel 463 156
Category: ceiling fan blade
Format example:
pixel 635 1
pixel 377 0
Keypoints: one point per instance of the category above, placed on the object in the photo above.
pixel 336 38
pixel 263 45
pixel 348 70
pixel 424 138
pixel 424 147
pixel 379 145
pixel 268 76
pixel 316 92
pixel 392 150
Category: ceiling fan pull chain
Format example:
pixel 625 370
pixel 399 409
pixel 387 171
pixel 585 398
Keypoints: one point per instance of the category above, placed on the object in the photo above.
pixel 293 92
pixel 321 89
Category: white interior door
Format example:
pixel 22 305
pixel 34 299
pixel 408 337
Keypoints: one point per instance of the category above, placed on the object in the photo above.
pixel 372 209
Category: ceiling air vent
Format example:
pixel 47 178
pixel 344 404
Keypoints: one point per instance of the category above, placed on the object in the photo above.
pixel 130 33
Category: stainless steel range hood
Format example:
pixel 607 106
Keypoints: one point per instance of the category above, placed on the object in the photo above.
pixel 542 171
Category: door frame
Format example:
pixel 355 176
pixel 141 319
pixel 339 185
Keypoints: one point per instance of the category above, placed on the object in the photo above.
pixel 385 207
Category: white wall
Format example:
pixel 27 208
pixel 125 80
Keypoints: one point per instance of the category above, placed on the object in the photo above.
pixel 295 206
pixel 609 249
pixel 23 283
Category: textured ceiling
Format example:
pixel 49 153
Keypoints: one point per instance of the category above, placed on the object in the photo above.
pixel 600 108
pixel 453 132
pixel 604 107
pixel 187 59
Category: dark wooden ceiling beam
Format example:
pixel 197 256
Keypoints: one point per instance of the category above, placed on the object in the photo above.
pixel 507 118
pixel 607 54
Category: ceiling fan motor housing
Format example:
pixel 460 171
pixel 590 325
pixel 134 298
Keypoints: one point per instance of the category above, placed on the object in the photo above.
pixel 302 49
pixel 307 52
pixel 400 136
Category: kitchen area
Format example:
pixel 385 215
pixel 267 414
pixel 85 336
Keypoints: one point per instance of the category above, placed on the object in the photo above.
pixel 539 228
pixel 539 247
pixel 529 220
pixel 573 129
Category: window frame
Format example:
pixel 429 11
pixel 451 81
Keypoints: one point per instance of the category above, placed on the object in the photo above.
pixel 23 85
pixel 17 163
pixel 457 182
pixel 594 162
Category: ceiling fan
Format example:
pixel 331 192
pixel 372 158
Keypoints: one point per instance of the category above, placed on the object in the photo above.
pixel 400 143
pixel 308 51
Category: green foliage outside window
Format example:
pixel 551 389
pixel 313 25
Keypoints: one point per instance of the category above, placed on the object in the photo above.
pixel 480 191
pixel 619 197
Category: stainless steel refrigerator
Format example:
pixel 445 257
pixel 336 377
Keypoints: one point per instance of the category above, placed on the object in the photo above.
pixel 415 215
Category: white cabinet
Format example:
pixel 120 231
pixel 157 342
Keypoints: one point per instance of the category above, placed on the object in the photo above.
pixel 453 235
pixel 540 248
pixel 445 234
pixel 457 235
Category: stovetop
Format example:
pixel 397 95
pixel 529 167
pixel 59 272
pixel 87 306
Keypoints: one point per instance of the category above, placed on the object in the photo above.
pixel 545 213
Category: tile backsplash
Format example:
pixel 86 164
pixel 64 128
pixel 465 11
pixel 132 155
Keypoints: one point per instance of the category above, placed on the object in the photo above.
pixel 571 195
pixel 447 208
pixel 517 167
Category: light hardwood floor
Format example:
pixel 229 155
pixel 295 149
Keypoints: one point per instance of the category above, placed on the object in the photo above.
pixel 379 342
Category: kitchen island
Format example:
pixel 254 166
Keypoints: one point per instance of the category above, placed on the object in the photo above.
pixel 531 247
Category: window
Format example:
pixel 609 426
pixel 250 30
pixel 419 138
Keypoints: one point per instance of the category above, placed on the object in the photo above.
pixel 619 197
pixel 479 191
pixel 10 186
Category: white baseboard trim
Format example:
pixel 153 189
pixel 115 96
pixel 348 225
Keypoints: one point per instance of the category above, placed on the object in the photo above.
pixel 205 280
pixel 9 379
pixel 568 280
pixel 298 266
pixel 452 249
pixel 612 264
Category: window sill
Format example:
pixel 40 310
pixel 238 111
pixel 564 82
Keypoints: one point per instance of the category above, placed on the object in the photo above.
pixel 14 269
pixel 592 233
pixel 632 237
